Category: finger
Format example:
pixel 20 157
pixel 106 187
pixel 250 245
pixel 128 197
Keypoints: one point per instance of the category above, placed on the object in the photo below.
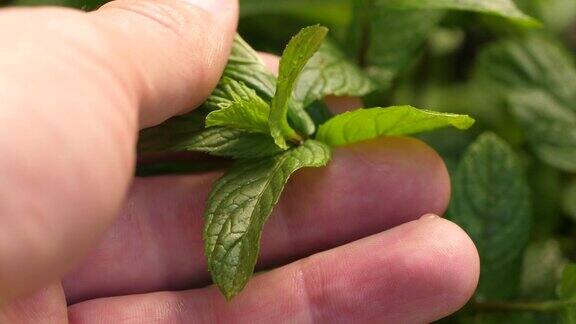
pixel 157 243
pixel 177 51
pixel 72 85
pixel 47 306
pixel 418 272
pixel 336 104
pixel 342 104
pixel 271 61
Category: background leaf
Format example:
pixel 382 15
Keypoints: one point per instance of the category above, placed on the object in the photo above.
pixel 569 200
pixel 539 81
pixel 503 8
pixel 491 202
pixel 384 44
pixel 387 35
pixel 238 207
pixel 542 270
pixel 549 125
pixel 567 291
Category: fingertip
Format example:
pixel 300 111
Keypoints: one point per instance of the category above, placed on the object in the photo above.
pixel 457 263
pixel 411 168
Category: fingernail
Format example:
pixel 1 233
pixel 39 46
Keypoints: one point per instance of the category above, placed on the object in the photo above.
pixel 213 6
pixel 429 216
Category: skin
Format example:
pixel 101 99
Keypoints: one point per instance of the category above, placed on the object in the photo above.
pixel 82 241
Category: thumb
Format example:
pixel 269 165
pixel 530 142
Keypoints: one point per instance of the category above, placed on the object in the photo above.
pixel 176 50
pixel 74 89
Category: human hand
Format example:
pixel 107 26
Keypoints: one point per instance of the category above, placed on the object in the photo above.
pixel 76 88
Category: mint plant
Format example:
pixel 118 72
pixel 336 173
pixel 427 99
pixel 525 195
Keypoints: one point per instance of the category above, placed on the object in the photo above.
pixel 508 63
pixel 271 135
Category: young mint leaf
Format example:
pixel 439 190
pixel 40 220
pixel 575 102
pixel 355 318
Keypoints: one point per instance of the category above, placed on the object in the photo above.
pixel 238 207
pixel 228 92
pixel 245 66
pixel 330 72
pixel 503 8
pixel 491 202
pixel 246 110
pixel 539 81
pixel 297 53
pixel 365 124
pixel 567 291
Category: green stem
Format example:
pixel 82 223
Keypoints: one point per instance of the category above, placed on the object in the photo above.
pixel 365 31
pixel 510 306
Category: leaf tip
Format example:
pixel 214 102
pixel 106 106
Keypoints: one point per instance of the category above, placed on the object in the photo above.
pixel 465 122
pixel 228 294
pixel 529 22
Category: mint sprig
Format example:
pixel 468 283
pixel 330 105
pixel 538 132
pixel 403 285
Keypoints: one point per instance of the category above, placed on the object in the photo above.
pixel 239 205
pixel 271 136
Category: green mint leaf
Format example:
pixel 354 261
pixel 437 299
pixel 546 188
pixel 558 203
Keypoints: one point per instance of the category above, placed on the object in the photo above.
pixel 539 81
pixel 330 72
pixel 228 92
pixel 567 291
pixel 221 141
pixel 187 133
pixel 246 111
pixel 245 66
pixel 174 130
pixel 491 202
pixel 297 53
pixel 239 205
pixel 503 8
pixel 365 124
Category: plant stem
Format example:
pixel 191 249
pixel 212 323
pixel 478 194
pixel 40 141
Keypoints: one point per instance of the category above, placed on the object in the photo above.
pixel 365 32
pixel 510 306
